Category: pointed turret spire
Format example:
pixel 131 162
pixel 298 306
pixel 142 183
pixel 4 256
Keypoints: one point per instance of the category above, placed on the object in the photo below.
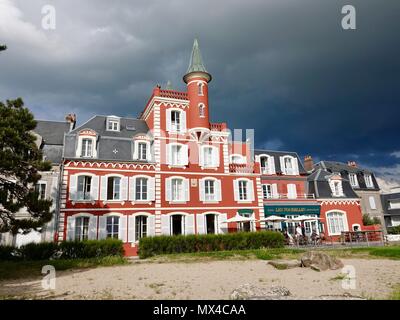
pixel 196 64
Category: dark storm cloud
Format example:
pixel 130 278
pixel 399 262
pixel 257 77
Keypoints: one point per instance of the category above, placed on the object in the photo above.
pixel 284 67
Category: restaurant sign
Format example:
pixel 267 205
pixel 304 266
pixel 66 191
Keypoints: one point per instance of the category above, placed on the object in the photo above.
pixel 291 210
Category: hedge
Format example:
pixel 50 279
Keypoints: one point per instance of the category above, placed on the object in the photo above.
pixel 63 250
pixel 151 246
pixel 393 230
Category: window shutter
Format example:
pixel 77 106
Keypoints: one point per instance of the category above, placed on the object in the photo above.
pixel 275 193
pixel 218 190
pixel 135 150
pixel 201 156
pixel 148 151
pixel 295 166
pixel 236 190
pixel 200 221
pixel 282 162
pixel 70 228
pixel 132 184
pixel 124 188
pixel 292 192
pixel 165 225
pixel 189 224
pixel 73 187
pixel 222 224
pixel 92 228
pixel 215 154
pixel 250 190
pixel 271 163
pixel 94 193
pixel 183 119
pixel 103 188
pixel 168 156
pixel 168 117
pixel 122 229
pixel 151 189
pixel 202 189
pixel 372 203
pixel 168 191
pixel 185 154
pixel 102 227
pixel 151 226
pixel 187 189
pixel 131 228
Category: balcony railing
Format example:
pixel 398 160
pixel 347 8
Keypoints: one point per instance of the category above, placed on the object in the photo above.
pixel 218 126
pixel 174 94
pixel 241 168
pixel 286 196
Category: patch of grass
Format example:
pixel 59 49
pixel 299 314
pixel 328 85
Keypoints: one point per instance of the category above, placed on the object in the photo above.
pixel 261 254
pixel 30 269
pixel 395 295
pixel 340 276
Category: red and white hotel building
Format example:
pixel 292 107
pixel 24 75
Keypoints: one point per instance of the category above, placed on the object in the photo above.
pixel 169 171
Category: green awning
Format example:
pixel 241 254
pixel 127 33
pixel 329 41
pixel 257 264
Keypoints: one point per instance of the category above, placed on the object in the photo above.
pixel 284 210
pixel 245 211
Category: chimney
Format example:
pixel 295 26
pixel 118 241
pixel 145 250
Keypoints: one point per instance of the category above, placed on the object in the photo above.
pixel 71 118
pixel 308 163
pixel 352 164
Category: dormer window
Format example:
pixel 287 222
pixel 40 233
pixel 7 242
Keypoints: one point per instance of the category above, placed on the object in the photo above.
pixel 267 164
pixel 289 165
pixel 87 148
pixel 368 181
pixel 353 180
pixel 142 150
pixel 112 124
pixel 336 188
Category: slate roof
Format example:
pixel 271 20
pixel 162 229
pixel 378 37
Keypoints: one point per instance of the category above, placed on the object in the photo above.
pixel 344 169
pixel 111 145
pixel 52 133
pixel 318 183
pixel 386 198
pixel 277 155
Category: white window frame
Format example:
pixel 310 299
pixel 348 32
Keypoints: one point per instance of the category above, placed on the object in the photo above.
pixel 113 224
pixel 372 202
pixel 140 233
pixel 80 144
pixel 80 236
pixel 120 188
pixel 237 155
pixel 84 187
pixel 270 160
pixel 336 191
pixel 329 224
pixel 137 179
pixel 368 180
pixel 39 184
pixel 293 171
pixel 214 156
pixel 182 121
pixel 115 124
pixel 267 194
pixel 250 197
pixel 217 190
pixel 169 190
pixel 353 180
pixel 137 153
pixel 182 155
pixel 200 89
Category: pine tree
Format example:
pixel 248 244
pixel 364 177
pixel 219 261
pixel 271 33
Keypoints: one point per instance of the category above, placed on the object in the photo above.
pixel 3 47
pixel 20 163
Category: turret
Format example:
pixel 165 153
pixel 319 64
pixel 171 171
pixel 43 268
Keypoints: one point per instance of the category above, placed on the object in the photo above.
pixel 197 79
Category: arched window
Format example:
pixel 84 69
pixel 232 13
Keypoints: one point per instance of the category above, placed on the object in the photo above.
pixel 82 228
pixel 337 222
pixel 140 227
pixel 113 188
pixel 200 89
pixel 202 111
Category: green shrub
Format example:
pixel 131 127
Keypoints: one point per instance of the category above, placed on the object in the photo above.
pixel 7 253
pixel 151 246
pixel 38 251
pixel 393 230
pixel 63 250
pixel 91 249
pixel 368 221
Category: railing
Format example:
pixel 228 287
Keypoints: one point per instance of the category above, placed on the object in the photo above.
pixel 287 197
pixel 218 126
pixel 354 237
pixel 174 94
pixel 241 168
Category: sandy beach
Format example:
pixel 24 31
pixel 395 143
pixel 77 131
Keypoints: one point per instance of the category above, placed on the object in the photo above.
pixel 206 280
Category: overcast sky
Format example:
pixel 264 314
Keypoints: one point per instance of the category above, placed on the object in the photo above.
pixel 285 68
